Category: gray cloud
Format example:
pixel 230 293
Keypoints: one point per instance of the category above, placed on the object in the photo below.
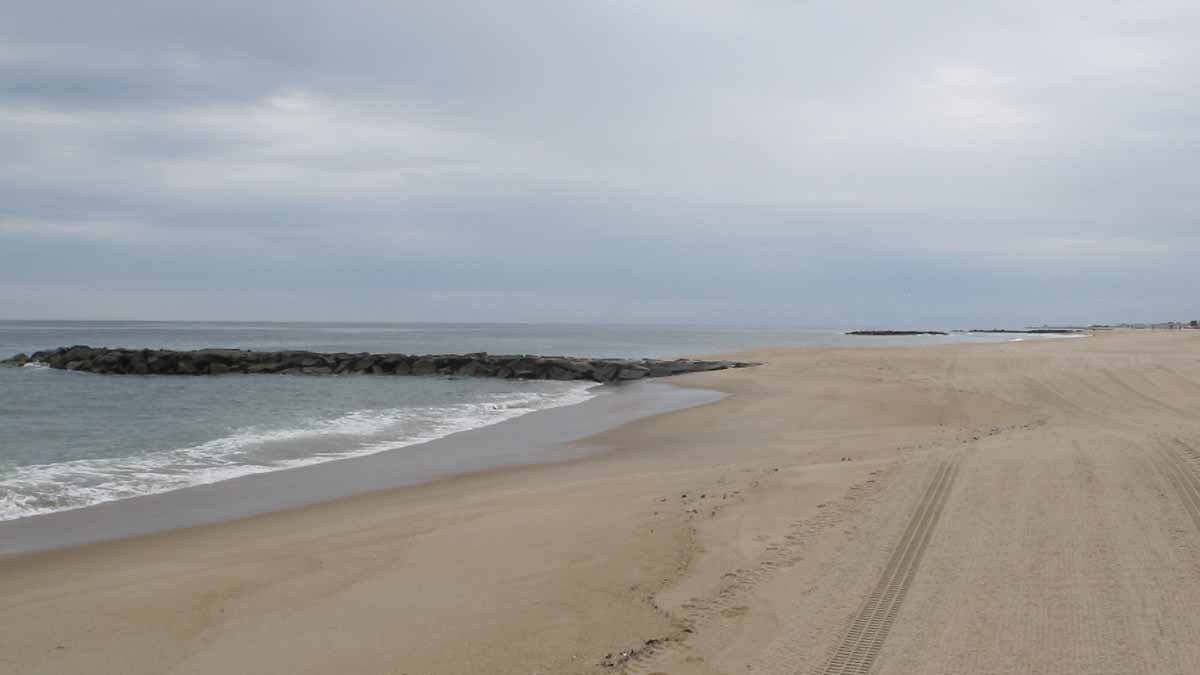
pixel 687 161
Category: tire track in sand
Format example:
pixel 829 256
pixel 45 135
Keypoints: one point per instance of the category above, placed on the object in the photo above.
pixel 729 599
pixel 1181 474
pixel 856 653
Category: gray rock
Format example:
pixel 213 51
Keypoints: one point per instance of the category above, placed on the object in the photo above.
pixel 17 361
pixel 225 356
pixel 563 374
pixel 605 372
pixel 525 368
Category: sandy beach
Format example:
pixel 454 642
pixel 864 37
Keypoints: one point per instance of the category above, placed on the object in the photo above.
pixel 1028 507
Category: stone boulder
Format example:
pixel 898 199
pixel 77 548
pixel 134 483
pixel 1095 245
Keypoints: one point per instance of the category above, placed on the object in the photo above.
pixel 15 361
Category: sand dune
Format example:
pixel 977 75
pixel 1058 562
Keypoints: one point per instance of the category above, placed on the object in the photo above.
pixel 1006 508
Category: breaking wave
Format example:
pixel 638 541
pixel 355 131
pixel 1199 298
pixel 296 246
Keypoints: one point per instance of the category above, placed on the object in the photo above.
pixel 44 488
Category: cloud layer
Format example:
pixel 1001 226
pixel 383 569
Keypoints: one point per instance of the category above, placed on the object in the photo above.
pixel 812 164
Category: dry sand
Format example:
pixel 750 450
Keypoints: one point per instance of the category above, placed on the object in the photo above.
pixel 1009 508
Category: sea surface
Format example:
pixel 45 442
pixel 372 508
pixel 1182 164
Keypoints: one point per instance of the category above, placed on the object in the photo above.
pixel 71 440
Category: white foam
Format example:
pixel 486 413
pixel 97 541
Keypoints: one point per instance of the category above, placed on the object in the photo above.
pixel 45 488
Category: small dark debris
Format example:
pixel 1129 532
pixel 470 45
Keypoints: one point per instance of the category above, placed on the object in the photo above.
pixel 612 660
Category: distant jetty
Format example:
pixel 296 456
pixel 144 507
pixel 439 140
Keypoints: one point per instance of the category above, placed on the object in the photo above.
pixel 889 333
pixel 222 361
pixel 1026 331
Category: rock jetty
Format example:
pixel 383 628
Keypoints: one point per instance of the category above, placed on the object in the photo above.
pixel 221 361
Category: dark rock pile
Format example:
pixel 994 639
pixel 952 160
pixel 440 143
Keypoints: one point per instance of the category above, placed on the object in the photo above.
pixel 221 361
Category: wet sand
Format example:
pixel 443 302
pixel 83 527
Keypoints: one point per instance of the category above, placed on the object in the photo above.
pixel 998 508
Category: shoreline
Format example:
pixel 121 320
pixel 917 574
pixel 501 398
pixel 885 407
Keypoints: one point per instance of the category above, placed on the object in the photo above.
pixel 540 437
pixel 742 535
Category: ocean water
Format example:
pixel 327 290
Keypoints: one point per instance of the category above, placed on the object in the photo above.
pixel 71 440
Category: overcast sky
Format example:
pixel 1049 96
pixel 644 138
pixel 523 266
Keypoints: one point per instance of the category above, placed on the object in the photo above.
pixel 801 163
